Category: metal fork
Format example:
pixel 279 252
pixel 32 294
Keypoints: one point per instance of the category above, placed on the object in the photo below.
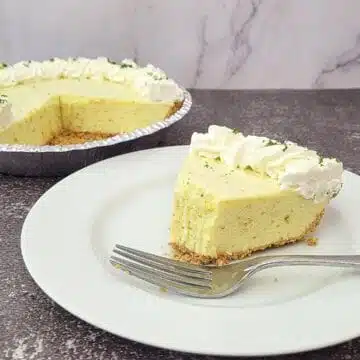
pixel 211 281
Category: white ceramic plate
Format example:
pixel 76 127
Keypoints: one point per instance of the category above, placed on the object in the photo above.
pixel 69 233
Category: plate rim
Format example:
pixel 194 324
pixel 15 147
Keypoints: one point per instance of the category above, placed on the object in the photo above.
pixel 87 319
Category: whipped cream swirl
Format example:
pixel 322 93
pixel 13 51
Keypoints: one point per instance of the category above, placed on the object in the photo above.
pixel 6 115
pixel 292 166
pixel 149 82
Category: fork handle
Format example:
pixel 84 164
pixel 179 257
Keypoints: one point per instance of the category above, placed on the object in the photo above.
pixel 344 261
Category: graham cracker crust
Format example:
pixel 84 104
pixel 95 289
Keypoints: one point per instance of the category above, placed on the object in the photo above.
pixel 67 137
pixel 177 105
pixel 181 253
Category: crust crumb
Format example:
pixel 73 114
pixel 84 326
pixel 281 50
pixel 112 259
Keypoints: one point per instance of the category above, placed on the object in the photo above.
pixel 312 241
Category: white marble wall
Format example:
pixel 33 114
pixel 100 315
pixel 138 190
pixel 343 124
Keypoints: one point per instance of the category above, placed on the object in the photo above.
pixel 200 43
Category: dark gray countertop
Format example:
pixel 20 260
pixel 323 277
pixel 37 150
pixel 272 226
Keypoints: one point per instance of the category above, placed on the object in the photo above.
pixel 33 327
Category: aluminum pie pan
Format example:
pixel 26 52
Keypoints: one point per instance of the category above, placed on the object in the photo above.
pixel 60 160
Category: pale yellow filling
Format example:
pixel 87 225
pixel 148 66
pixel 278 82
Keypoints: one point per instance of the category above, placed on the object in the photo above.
pixel 221 211
pixel 42 109
pixel 39 126
pixel 108 115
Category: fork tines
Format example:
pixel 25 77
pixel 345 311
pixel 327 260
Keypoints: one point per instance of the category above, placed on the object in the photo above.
pixel 161 271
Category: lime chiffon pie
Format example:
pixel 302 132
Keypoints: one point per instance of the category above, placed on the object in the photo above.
pixel 76 100
pixel 238 194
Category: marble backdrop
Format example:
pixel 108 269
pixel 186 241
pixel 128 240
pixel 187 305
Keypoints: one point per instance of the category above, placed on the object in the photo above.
pixel 201 43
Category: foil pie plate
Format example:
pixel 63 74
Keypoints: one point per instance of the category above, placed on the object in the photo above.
pixel 60 160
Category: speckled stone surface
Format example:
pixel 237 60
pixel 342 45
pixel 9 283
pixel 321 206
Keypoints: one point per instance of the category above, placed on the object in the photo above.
pixel 33 327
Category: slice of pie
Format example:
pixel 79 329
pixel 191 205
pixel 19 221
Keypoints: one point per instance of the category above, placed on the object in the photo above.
pixel 77 100
pixel 238 194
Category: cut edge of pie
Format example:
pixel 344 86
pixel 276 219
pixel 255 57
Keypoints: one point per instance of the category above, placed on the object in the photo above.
pixel 183 254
